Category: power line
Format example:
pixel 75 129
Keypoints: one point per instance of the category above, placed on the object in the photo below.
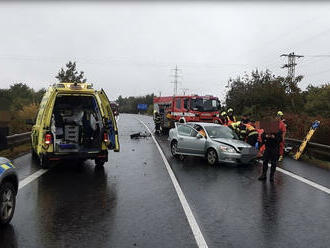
pixel 319 56
pixel 184 91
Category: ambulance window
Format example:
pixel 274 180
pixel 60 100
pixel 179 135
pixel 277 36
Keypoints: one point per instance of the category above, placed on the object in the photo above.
pixel 178 103
pixel 185 103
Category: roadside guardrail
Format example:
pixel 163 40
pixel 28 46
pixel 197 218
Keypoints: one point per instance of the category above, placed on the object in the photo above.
pixel 312 149
pixel 18 139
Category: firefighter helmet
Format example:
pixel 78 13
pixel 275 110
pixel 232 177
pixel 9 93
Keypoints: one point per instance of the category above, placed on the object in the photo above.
pixel 280 113
pixel 182 120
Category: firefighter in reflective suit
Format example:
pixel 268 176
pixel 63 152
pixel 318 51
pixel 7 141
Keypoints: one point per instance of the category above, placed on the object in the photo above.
pixel 157 121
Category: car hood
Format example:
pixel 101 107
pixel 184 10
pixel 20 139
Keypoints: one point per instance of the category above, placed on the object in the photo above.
pixel 232 142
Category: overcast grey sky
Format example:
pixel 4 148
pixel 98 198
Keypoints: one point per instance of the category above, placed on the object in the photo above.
pixel 130 48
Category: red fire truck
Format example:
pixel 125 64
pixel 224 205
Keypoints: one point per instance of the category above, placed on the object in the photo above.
pixel 192 108
pixel 115 108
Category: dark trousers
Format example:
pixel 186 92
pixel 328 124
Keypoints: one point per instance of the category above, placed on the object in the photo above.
pixel 157 127
pixel 272 157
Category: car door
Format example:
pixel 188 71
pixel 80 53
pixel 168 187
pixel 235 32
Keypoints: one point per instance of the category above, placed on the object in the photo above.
pixel 188 142
pixel 183 132
pixel 109 121
pixel 197 143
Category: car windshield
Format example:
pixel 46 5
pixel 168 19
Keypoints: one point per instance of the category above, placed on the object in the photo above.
pixel 216 132
pixel 203 104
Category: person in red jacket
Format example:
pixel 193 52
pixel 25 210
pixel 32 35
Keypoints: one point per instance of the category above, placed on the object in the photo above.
pixel 282 128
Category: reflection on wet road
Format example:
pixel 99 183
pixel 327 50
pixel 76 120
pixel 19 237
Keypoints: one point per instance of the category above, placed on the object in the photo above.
pixel 132 202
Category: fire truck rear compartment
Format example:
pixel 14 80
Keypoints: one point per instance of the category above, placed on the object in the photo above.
pixel 76 124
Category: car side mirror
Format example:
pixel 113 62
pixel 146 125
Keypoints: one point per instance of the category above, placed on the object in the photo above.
pixel 29 122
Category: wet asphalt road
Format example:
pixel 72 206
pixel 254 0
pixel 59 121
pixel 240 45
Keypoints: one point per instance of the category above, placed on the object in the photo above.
pixel 132 202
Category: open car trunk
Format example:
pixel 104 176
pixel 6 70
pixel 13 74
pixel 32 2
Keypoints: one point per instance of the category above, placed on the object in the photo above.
pixel 76 124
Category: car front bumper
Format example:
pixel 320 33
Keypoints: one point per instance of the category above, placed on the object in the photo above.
pixel 236 158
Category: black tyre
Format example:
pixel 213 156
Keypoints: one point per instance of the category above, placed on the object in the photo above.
pixel 174 148
pixel 99 162
pixel 44 162
pixel 212 157
pixel 7 202
pixel 34 154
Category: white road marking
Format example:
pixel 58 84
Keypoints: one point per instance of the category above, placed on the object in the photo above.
pixel 302 179
pixel 187 210
pixel 31 178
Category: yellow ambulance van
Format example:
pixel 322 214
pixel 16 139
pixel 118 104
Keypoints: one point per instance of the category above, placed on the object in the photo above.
pixel 74 121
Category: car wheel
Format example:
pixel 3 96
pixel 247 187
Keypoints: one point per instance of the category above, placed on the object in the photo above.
pixel 174 148
pixel 44 162
pixel 212 157
pixel 7 202
pixel 99 162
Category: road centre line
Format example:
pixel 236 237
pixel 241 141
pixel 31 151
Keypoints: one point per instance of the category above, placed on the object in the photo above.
pixel 31 178
pixel 184 203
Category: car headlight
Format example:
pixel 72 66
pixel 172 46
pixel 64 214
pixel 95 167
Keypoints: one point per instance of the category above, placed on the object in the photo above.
pixel 227 149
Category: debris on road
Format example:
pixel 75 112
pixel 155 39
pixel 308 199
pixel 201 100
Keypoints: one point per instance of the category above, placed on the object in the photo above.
pixel 140 135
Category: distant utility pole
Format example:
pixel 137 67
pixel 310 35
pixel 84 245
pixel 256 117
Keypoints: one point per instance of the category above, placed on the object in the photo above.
pixel 291 64
pixel 175 82
pixel 184 90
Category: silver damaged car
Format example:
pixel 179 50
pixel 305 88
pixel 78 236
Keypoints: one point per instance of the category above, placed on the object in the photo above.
pixel 215 142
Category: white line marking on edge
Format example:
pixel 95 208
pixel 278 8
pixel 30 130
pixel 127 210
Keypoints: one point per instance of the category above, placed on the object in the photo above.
pixel 31 178
pixel 302 179
pixel 191 219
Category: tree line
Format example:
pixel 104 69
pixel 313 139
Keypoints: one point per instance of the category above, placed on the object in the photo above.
pixel 262 94
pixel 19 103
pixel 129 104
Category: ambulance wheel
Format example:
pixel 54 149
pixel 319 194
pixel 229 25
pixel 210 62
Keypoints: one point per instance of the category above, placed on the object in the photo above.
pixel 99 162
pixel 44 162
pixel 34 154
pixel 7 202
